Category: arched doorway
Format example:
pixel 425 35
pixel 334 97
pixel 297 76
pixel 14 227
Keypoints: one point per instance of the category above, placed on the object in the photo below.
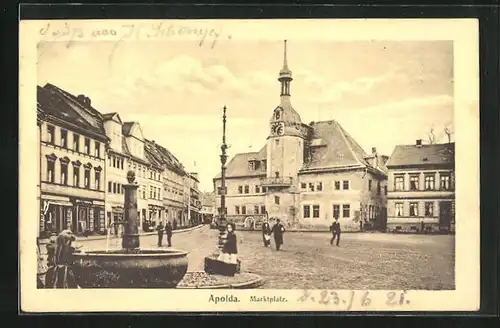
pixel 250 223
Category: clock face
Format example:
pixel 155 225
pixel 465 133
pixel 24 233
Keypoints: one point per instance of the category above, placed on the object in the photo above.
pixel 277 129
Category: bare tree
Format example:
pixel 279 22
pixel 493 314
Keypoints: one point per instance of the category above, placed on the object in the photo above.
pixel 431 136
pixel 448 132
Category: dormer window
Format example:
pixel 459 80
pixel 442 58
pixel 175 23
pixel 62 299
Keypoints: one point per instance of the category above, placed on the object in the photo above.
pixel 251 165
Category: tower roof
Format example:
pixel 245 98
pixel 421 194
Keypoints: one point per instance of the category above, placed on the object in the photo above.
pixel 285 72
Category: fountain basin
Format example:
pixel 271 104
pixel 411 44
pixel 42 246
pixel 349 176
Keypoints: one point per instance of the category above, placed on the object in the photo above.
pixel 141 268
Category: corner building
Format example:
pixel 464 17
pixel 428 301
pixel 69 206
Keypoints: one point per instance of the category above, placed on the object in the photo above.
pixel 305 175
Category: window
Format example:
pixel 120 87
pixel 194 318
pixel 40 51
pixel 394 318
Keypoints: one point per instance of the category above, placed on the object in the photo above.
pixel 64 173
pixel 247 189
pixel 319 186
pixel 114 161
pixel 307 211
pixel 97 149
pixel 150 192
pixel 277 142
pixel 256 209
pixel 337 185
pixel 346 185
pixel 154 193
pixel 276 200
pixel 429 182
pixel 336 211
pixel 445 181
pixel 263 209
pixel 237 209
pixel 240 189
pixel 121 162
pixel 264 189
pixel 378 188
pixel 243 210
pixel 346 211
pixel 429 209
pixel 50 170
pixel 115 188
pixel 311 186
pixel 385 190
pixel 76 176
pixel 144 192
pixel 87 146
pixel 87 178
pixel 369 184
pixel 251 165
pixel 399 209
pixel 64 138
pixel 303 185
pixel 413 209
pixel 257 189
pixel 76 142
pixel 51 134
pixel 315 211
pixel 110 185
pixel 97 180
pixel 399 183
pixel 413 182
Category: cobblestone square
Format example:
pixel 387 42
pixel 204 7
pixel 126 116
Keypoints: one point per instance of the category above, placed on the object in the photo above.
pixel 363 260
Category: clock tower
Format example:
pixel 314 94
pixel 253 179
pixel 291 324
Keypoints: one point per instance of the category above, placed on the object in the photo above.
pixel 285 151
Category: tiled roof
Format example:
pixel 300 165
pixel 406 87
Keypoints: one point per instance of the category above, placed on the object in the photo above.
pixel 152 153
pixel 422 155
pixel 109 116
pixel 64 106
pixel 164 156
pixel 238 165
pixel 330 146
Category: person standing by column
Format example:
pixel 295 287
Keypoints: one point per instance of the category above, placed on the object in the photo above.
pixel 160 228
pixel 335 228
pixel 278 231
pixel 168 230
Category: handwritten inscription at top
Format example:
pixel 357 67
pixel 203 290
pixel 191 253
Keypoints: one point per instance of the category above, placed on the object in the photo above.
pixel 141 31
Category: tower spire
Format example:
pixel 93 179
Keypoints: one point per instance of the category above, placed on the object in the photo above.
pixel 285 63
pixel 285 74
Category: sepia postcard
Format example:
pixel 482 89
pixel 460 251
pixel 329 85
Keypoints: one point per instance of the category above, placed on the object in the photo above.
pixel 249 165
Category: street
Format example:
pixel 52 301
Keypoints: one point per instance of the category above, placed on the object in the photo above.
pixel 363 260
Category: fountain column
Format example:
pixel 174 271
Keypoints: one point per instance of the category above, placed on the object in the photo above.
pixel 223 159
pixel 130 238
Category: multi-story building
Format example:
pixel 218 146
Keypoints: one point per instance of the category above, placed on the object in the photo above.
pixel 305 175
pixel 155 183
pixel 207 207
pixel 193 199
pixel 116 168
pixel 422 188
pixel 72 154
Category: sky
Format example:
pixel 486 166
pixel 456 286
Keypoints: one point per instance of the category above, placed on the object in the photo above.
pixel 384 93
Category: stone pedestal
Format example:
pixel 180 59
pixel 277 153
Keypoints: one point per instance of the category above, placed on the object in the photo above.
pixel 130 224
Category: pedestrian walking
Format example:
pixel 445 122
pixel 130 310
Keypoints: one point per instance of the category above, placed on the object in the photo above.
pixel 335 229
pixel 160 228
pixel 168 230
pixel 278 231
pixel 266 234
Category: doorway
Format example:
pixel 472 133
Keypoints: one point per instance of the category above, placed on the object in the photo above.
pixel 444 215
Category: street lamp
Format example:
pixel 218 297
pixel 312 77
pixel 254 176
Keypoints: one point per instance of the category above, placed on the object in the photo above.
pixel 223 159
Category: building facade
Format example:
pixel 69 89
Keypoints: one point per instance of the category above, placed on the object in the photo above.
pixel 422 188
pixel 72 163
pixel 305 175
pixel 193 199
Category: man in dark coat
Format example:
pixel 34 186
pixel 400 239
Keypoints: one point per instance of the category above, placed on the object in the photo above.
pixel 168 230
pixel 335 228
pixel 159 228
pixel 278 231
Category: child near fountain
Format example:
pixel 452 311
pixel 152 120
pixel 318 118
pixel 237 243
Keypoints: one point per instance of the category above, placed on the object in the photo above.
pixel 229 252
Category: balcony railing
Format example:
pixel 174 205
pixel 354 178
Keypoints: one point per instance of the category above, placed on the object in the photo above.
pixel 276 182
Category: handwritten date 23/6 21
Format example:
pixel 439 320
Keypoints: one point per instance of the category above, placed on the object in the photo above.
pixel 348 299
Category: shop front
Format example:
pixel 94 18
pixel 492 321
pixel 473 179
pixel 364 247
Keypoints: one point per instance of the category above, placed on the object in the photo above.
pixel 88 217
pixel 56 213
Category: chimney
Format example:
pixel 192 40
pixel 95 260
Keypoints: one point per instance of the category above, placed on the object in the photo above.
pixel 419 142
pixel 374 150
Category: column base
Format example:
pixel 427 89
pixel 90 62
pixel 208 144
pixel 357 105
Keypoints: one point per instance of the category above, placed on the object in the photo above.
pixel 130 241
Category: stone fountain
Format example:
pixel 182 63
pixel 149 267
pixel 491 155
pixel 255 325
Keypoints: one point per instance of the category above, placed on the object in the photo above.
pixel 130 266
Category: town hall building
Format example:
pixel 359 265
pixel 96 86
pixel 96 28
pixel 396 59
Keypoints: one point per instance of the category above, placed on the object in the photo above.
pixel 305 175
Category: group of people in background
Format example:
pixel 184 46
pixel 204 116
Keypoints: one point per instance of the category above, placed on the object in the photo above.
pixel 277 230
pixel 164 229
